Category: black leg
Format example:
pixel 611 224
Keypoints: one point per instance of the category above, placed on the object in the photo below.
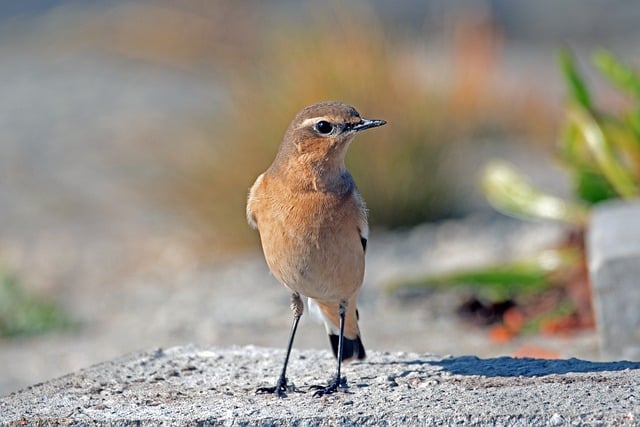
pixel 281 386
pixel 338 380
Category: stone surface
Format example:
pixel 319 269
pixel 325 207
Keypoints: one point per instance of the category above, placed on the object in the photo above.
pixel 215 386
pixel 614 265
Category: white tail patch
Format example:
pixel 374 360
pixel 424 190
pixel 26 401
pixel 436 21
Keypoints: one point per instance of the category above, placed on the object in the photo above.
pixel 364 231
pixel 319 316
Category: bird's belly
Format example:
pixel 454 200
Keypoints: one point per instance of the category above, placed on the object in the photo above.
pixel 326 266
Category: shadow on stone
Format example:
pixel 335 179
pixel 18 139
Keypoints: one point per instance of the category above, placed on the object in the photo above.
pixel 526 367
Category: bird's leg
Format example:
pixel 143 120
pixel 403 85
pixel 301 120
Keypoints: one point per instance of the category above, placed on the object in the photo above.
pixel 338 381
pixel 281 387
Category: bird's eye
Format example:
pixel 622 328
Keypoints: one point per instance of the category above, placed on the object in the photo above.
pixel 324 127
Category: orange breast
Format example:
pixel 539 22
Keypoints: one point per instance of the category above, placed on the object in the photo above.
pixel 311 240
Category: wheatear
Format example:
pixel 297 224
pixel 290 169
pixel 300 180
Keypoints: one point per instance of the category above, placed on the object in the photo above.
pixel 313 226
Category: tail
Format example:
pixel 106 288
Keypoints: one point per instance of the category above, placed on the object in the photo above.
pixel 351 349
pixel 352 344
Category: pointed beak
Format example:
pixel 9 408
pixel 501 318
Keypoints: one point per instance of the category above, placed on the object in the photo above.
pixel 367 123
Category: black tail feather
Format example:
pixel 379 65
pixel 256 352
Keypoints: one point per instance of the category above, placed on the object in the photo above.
pixel 353 349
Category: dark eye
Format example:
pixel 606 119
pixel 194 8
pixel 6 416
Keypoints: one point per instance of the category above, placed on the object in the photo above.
pixel 324 127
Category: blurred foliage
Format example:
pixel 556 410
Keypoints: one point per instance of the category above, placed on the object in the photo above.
pixel 601 151
pixel 397 168
pixel 269 72
pixel 500 282
pixel 512 193
pixel 22 314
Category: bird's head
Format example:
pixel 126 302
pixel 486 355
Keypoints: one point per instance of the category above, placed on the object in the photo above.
pixel 320 134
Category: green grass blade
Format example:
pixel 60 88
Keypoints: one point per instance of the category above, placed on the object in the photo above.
pixel 577 86
pixel 625 141
pixel 619 74
pixel 597 143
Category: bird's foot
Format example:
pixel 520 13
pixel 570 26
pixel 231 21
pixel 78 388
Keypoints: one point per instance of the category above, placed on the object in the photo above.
pixel 334 385
pixel 281 388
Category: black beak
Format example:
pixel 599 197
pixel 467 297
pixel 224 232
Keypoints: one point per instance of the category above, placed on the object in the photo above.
pixel 366 124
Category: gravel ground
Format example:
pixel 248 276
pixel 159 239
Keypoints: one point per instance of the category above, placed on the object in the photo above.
pixel 216 386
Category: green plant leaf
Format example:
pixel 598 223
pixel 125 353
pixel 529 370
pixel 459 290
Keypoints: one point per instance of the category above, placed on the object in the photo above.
pixel 621 75
pixel 598 145
pixel 625 142
pixel 573 151
pixel 22 314
pixel 592 187
pixel 500 282
pixel 577 86
pixel 511 193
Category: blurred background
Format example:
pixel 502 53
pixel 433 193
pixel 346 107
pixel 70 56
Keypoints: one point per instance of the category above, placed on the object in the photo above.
pixel 130 132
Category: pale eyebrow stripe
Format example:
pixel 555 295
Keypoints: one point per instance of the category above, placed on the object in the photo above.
pixel 313 121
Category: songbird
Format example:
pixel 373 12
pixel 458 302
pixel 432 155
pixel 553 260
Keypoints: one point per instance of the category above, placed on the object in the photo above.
pixel 313 227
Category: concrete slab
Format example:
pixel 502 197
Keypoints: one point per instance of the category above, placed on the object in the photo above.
pixel 613 246
pixel 215 386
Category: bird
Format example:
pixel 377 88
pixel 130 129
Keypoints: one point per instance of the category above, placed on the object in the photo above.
pixel 313 228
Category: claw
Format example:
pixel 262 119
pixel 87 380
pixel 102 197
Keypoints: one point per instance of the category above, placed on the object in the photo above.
pixel 278 391
pixel 281 388
pixel 333 387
